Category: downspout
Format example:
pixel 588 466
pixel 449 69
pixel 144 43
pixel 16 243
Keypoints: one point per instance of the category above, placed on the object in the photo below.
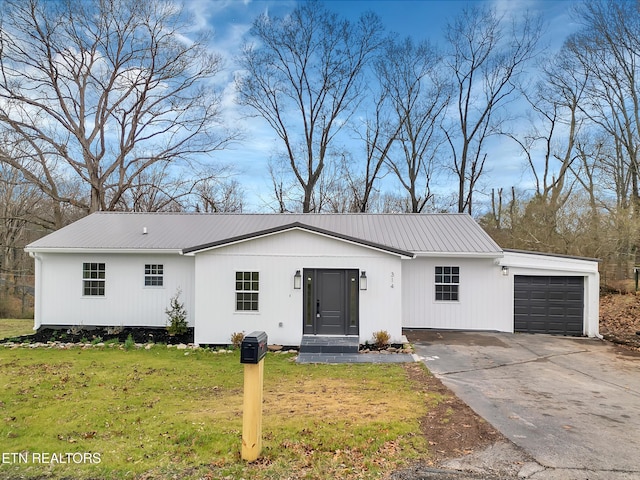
pixel 594 288
pixel 192 312
pixel 37 322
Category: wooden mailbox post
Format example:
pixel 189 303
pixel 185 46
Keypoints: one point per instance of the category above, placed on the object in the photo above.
pixel 252 353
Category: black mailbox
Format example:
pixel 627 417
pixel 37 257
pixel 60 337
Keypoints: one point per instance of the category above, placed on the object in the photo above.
pixel 253 347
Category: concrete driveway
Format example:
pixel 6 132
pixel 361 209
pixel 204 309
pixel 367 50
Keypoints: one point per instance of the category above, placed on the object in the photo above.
pixel 572 404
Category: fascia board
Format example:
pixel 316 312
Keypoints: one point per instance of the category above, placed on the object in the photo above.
pixel 528 253
pixel 552 268
pixel 146 251
pixel 460 254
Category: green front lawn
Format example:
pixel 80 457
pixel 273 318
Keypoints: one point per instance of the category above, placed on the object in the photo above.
pixel 167 413
pixel 11 327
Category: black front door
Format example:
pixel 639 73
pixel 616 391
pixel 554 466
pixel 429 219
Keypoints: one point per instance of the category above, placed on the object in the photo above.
pixel 330 302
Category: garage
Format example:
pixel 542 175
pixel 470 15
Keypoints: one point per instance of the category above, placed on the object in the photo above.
pixel 549 304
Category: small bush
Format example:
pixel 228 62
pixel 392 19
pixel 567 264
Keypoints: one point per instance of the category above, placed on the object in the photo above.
pixel 177 316
pixel 75 329
pixel 114 330
pixel 381 338
pixel 236 339
pixel 129 343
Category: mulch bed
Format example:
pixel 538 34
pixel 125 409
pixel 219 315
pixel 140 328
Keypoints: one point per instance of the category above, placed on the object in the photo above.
pixel 139 335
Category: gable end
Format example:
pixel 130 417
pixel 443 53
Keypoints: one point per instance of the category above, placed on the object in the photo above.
pixel 295 226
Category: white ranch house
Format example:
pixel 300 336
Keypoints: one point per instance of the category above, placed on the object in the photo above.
pixel 306 274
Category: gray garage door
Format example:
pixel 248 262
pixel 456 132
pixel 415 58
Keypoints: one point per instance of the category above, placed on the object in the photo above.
pixel 549 304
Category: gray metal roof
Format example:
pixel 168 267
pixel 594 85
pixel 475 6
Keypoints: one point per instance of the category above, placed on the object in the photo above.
pixel 415 233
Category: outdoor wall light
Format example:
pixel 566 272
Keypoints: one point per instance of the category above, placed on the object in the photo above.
pixel 297 280
pixel 505 270
pixel 363 280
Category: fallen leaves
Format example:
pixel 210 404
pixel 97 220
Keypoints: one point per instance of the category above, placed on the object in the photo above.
pixel 67 439
pixel 620 319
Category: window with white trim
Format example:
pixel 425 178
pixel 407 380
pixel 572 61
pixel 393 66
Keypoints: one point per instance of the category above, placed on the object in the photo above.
pixel 153 275
pixel 93 279
pixel 447 283
pixel 247 288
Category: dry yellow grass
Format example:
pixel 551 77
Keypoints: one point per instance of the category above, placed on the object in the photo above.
pixel 163 413
pixel 11 327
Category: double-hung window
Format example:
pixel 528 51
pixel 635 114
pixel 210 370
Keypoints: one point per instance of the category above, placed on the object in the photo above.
pixel 93 279
pixel 247 288
pixel 447 283
pixel 153 275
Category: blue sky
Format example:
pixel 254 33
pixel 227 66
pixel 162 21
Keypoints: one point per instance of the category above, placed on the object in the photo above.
pixel 230 21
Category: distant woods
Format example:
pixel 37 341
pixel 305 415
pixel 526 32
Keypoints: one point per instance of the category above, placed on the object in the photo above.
pixel 119 105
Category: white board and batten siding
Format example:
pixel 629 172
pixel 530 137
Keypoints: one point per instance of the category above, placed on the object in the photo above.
pixel 202 253
pixel 277 258
pixel 483 302
pixel 127 301
pixel 486 296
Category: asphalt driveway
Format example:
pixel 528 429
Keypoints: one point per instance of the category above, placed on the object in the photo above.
pixel 572 404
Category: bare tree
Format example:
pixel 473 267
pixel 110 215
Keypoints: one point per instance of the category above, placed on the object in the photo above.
pixel 333 192
pixel 487 54
pixel 394 202
pixel 584 154
pixel 160 189
pixel 303 76
pixel 377 132
pixel 103 90
pixel 155 190
pixel 550 149
pixel 411 75
pixel 18 202
pixel 218 191
pixel 16 155
pixel 284 187
pixel 608 47
pixel 558 123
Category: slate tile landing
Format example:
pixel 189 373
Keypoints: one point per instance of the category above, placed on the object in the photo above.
pixel 321 349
